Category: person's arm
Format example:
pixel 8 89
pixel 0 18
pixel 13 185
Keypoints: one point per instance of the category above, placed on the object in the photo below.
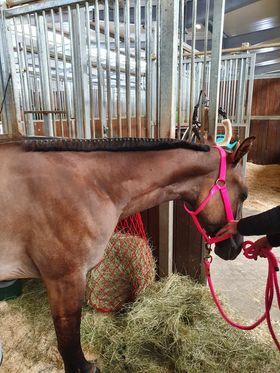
pixel 267 222
pixel 274 239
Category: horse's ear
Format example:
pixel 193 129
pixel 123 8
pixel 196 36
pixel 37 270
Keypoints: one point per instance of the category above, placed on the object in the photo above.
pixel 242 149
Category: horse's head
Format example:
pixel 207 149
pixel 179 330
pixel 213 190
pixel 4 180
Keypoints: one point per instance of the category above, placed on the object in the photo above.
pixel 213 216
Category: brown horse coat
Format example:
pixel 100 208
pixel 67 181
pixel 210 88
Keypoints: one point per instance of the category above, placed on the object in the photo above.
pixel 59 209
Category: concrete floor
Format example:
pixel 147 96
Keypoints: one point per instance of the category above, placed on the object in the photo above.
pixel 242 282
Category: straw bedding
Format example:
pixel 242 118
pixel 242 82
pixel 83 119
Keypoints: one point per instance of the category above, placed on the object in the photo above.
pixel 172 327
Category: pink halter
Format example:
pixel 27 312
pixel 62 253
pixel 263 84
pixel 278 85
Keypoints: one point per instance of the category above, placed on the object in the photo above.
pixel 220 185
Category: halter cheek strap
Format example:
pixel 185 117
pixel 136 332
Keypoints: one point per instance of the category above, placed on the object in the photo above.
pixel 220 185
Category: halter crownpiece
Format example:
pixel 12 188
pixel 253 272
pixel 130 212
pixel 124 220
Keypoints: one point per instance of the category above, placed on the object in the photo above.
pixel 219 185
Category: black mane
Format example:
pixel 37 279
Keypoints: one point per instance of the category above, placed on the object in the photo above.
pixel 108 144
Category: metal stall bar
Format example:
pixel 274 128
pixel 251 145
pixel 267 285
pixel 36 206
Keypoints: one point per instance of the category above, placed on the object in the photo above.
pixel 80 72
pixel 181 49
pixel 206 27
pixel 250 92
pixel 11 107
pixel 157 71
pixel 99 71
pixel 118 72
pixel 168 72
pixel 64 70
pixel 148 27
pixel 71 111
pixel 24 89
pixel 108 68
pixel 217 37
pixel 127 65
pixel 137 23
pixel 58 99
pixel 48 62
pixel 233 112
pixel 26 69
pixel 192 83
pixel 239 92
pixel 91 104
pixel 44 73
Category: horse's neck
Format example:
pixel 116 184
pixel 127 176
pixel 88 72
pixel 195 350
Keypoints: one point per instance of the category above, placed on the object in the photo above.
pixel 146 179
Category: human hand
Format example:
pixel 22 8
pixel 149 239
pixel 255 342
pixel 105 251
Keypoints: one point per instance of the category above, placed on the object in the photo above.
pixel 229 228
pixel 261 243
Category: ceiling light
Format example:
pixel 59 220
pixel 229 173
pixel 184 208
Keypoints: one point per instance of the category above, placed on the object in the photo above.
pixel 198 26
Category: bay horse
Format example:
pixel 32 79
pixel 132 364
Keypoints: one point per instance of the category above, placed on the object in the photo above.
pixel 62 198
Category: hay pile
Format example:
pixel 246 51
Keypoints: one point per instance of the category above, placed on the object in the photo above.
pixel 127 268
pixel 174 327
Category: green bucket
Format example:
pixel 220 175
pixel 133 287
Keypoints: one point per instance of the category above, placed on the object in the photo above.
pixel 10 289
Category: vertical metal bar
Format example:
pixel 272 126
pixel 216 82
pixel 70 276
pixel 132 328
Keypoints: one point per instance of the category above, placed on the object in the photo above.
pixel 64 69
pixel 181 41
pixel 168 72
pixel 207 7
pixel 250 90
pixel 72 109
pixel 233 113
pixel 137 23
pixel 244 90
pixel 158 71
pixel 99 69
pixel 36 102
pixel 48 63
pixel 11 108
pixel 229 87
pixel 108 67
pixel 23 45
pixel 194 10
pixel 90 70
pixel 19 64
pixel 217 37
pixel 239 92
pixel 148 66
pixel 223 95
pixel 58 102
pixel 127 65
pixel 118 72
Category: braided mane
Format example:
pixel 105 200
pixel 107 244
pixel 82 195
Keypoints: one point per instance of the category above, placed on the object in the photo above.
pixel 126 144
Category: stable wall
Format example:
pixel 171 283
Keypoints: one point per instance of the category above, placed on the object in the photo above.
pixel 265 104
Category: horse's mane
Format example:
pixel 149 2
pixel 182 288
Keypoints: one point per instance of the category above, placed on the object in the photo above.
pixel 108 144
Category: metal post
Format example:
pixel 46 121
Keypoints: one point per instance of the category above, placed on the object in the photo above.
pixel 127 65
pixel 118 73
pixel 192 87
pixel 81 76
pixel 217 37
pixel 137 17
pixel 43 58
pixel 108 67
pixel 168 73
pixel 11 108
pixel 182 2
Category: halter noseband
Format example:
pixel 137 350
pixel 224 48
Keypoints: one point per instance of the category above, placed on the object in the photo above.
pixel 220 185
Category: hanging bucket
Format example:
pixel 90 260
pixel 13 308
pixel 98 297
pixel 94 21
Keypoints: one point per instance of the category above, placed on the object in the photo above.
pixel 10 289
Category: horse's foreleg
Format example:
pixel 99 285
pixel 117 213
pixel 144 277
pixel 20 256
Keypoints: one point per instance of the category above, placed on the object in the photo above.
pixel 65 297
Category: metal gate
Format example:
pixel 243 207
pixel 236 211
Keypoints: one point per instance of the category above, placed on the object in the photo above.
pixel 84 69
pixel 236 87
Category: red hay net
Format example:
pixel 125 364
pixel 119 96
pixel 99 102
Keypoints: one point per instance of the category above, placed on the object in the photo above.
pixel 126 269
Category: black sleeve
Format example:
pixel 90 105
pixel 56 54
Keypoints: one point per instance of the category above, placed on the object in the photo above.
pixel 267 222
pixel 274 240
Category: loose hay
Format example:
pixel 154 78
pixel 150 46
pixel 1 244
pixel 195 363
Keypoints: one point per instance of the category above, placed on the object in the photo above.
pixel 174 327
pixel 127 268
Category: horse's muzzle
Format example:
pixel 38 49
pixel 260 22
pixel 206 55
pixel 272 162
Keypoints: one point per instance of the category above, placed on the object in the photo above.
pixel 230 248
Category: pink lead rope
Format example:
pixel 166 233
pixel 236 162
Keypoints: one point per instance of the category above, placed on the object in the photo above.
pixel 248 252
